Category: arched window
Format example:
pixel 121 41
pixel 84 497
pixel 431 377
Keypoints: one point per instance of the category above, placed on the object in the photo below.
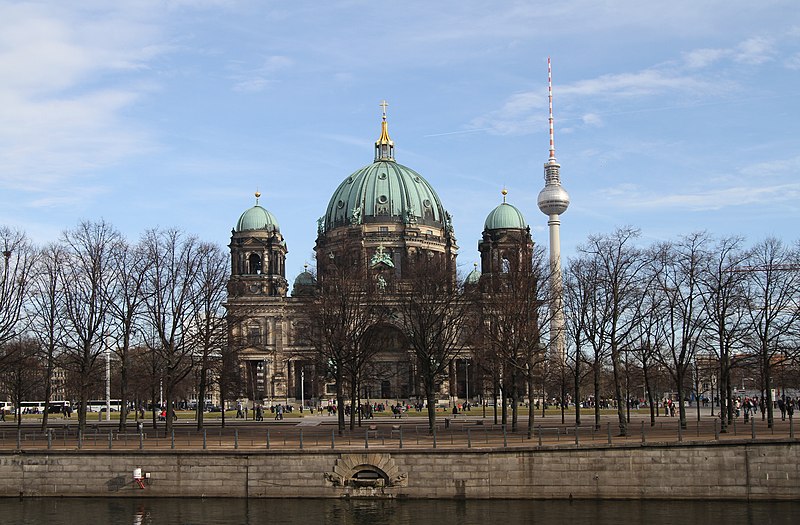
pixel 254 262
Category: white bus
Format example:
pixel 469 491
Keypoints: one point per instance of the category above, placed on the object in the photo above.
pixel 37 407
pixel 99 405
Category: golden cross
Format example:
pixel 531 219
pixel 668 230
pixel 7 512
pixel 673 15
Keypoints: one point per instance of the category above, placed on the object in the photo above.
pixel 383 104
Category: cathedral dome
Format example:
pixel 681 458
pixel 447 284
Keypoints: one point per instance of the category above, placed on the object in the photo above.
pixel 384 191
pixel 257 218
pixel 504 217
pixel 474 276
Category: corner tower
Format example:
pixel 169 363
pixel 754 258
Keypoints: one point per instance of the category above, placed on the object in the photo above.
pixel 258 255
pixel 506 244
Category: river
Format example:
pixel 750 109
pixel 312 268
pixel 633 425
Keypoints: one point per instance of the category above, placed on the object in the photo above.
pixel 96 511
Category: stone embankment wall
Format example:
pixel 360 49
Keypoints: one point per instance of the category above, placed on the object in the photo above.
pixel 756 471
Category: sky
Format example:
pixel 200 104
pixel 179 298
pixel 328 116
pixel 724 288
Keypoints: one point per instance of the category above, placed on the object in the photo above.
pixel 672 117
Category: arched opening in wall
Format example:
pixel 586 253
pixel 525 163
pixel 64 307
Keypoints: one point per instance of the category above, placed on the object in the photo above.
pixel 388 375
pixel 254 264
pixel 368 476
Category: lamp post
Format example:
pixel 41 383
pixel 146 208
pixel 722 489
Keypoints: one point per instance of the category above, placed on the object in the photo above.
pixel 108 381
pixel 302 386
pixel 466 372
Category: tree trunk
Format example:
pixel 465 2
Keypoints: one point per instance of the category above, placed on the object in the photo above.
pixel 597 394
pixel 201 395
pixel 623 423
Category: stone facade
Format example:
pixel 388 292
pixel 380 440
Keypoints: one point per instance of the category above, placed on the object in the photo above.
pixel 756 471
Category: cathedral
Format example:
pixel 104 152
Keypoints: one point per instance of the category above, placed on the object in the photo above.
pixel 379 217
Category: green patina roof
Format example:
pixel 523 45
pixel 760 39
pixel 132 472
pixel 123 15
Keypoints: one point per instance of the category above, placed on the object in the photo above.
pixel 304 279
pixel 474 277
pixel 505 216
pixel 384 191
pixel 257 218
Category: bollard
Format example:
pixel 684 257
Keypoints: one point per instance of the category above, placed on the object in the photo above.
pixel 643 439
pixel 366 438
pixel 753 428
pixel 505 438
pixel 267 439
pixel 539 430
pixel 716 431
pixel 401 436
pixel 608 432
pixel 172 440
pixel 110 439
pixel 141 439
pixel 333 439
pixel 469 440
pixel 236 438
pixel 301 439
pixel 205 440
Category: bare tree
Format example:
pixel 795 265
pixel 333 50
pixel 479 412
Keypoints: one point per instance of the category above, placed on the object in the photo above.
pixel 342 313
pixel 438 320
pixel 17 262
pixel 45 309
pixel 677 271
pixel 515 317
pixel 210 325
pixel 579 284
pixel 619 266
pixel 773 286
pixel 22 371
pixel 130 265
pixel 172 304
pixel 724 306
pixel 86 278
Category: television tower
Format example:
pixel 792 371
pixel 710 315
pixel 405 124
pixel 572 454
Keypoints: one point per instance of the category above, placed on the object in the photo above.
pixel 553 201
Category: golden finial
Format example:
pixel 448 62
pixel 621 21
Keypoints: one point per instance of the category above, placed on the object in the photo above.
pixel 384 147
pixel 305 266
pixel 504 192
pixel 475 265
pixel 258 195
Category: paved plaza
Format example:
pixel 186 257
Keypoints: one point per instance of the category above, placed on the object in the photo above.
pixel 311 432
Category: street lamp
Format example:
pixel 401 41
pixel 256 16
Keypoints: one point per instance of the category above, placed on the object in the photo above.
pixel 466 368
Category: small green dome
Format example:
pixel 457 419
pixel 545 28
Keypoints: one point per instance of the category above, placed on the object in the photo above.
pixel 504 217
pixel 257 218
pixel 304 279
pixel 474 276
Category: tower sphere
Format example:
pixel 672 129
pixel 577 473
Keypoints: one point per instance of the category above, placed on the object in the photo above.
pixel 553 199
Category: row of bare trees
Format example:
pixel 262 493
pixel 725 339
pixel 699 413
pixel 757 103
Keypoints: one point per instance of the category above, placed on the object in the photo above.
pixel 67 304
pixel 680 307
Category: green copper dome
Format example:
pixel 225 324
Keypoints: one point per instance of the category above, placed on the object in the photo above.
pixel 474 276
pixel 257 218
pixel 504 217
pixel 384 191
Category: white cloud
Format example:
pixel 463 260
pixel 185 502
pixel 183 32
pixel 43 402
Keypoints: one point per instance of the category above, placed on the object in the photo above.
pixel 754 51
pixel 64 89
pixel 260 77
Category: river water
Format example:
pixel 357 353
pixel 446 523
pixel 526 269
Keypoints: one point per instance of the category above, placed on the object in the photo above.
pixel 96 511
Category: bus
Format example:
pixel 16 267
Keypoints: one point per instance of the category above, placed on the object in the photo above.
pixel 99 405
pixel 37 407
